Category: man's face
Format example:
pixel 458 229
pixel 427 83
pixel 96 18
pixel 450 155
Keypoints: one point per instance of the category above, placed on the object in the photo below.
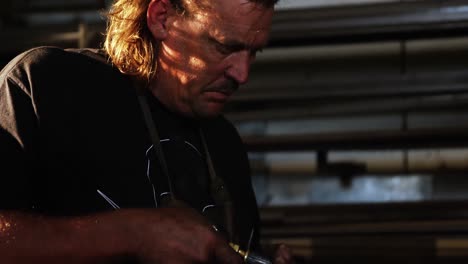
pixel 205 57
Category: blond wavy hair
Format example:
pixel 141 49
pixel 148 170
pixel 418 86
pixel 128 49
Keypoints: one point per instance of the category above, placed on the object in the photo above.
pixel 128 41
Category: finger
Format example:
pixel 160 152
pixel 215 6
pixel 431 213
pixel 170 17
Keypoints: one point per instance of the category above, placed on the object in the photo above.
pixel 225 254
pixel 279 260
pixel 283 254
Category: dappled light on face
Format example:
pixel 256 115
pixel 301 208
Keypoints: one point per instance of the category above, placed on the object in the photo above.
pixel 170 54
pixel 249 34
pixel 4 225
pixel 178 57
pixel 196 63
pixel 180 75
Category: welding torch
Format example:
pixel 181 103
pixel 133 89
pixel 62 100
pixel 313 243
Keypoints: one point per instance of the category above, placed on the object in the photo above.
pixel 250 257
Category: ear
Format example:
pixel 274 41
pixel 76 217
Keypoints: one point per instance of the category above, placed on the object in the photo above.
pixel 156 17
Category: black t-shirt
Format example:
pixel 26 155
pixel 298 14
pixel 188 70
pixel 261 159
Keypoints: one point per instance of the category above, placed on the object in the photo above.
pixel 73 141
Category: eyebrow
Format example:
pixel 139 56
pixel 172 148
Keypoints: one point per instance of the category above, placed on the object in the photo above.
pixel 234 44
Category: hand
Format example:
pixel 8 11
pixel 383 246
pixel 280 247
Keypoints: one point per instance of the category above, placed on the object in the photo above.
pixel 177 235
pixel 283 255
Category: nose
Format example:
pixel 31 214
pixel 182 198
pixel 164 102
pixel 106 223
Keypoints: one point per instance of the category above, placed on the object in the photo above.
pixel 239 66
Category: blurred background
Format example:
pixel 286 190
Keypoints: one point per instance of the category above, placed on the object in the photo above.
pixel 355 119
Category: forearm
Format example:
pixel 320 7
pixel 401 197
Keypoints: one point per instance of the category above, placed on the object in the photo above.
pixel 26 238
pixel 166 235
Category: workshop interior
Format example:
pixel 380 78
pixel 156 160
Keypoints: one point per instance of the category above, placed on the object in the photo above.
pixel 355 119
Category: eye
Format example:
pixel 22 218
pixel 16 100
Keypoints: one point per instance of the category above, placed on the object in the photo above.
pixel 227 49
pixel 254 52
pixel 224 49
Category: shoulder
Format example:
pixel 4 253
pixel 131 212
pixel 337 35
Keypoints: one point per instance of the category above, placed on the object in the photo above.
pixel 19 71
pixel 34 55
pixel 53 67
pixel 46 59
pixel 22 63
pixel 38 56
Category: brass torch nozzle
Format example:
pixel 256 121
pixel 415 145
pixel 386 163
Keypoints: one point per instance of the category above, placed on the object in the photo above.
pixel 249 257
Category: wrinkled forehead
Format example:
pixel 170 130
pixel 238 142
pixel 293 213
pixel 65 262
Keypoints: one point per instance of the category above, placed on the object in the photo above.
pixel 231 17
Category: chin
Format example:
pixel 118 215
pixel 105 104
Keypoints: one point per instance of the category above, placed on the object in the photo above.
pixel 208 115
pixel 209 112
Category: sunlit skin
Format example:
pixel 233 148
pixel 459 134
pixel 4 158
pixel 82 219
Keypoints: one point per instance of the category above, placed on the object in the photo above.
pixel 205 57
pixel 5 231
pixel 4 225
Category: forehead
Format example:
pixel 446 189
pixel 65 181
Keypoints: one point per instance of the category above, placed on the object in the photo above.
pixel 234 18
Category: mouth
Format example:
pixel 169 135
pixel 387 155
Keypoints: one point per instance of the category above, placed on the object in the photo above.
pixel 218 96
pixel 221 93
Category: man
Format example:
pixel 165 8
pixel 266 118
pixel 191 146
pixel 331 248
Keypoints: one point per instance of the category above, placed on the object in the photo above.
pixel 91 140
